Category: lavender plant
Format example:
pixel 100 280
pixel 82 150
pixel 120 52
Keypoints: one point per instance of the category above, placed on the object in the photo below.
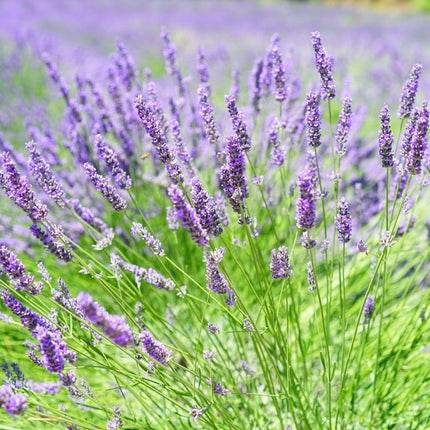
pixel 211 266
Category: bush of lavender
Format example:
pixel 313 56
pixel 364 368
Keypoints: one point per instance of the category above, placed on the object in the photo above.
pixel 172 261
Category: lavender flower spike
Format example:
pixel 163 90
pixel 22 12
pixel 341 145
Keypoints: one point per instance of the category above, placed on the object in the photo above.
pixel 418 142
pixel 313 120
pixel 343 126
pixel 55 247
pixel 152 243
pixel 409 92
pixel 324 66
pixel 343 221
pixel 368 309
pixel 188 216
pixel 41 171
pixel 19 190
pixel 103 185
pixel 305 215
pixel 278 72
pixel 207 114
pixel 238 123
pixel 280 266
pixel 154 348
pixel 215 281
pixel 386 139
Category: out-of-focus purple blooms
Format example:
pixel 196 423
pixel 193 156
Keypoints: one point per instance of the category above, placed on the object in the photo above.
pixel 207 114
pixel 278 73
pixel 196 413
pixel 172 219
pixel 368 309
pixel 213 329
pixel 188 216
pixel 103 185
pixel 418 143
pixel 313 120
pixel 343 127
pixel 217 388
pixel 246 368
pixel 114 327
pixel 6 392
pixel 220 204
pixel 255 86
pixel 109 156
pixel 324 66
pixel 50 388
pixel 205 207
pixel 154 348
pixel 209 355
pixel 238 122
pixel 307 241
pixel 154 244
pixel 305 205
pixel 231 298
pixel 203 70
pixel 56 78
pixel 343 221
pixel 116 422
pixel 235 87
pixel 278 153
pixel 16 404
pixel 311 277
pixel 88 216
pixel 159 140
pixel 19 190
pixel 386 139
pixel 181 150
pixel 280 266
pixel 398 185
pixel 362 247
pixel 54 246
pixel 247 325
pixel 215 280
pixel 15 271
pixel 409 92
pixel 232 177
pixel 41 171
pixel 125 66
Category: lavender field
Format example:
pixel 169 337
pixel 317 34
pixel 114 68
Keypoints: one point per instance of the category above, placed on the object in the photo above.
pixel 214 215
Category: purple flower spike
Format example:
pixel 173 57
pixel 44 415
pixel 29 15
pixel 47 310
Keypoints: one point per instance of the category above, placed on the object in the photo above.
pixel 103 185
pixel 280 266
pixel 418 143
pixel 16 404
pixel 313 120
pixel 188 216
pixel 54 246
pixel 409 92
pixel 368 309
pixel 207 114
pixel 324 66
pixel 154 348
pixel 19 190
pixel 278 72
pixel 238 123
pixel 386 139
pixel 343 221
pixel 109 156
pixel 255 92
pixel 343 126
pixel 51 348
pixel 215 280
pixel 305 215
pixel 41 171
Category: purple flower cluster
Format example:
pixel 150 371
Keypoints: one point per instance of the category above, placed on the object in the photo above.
pixel 154 244
pixel 343 126
pixel 313 120
pixel 103 185
pixel 114 327
pixel 51 243
pixel 12 403
pixel 368 309
pixel 255 86
pixel 19 190
pixel 386 139
pixel 278 72
pixel 41 171
pixel 207 114
pixel 418 143
pixel 280 266
pixel 278 153
pixel 110 157
pixel 15 271
pixel 188 216
pixel 203 71
pixel 215 280
pixel 305 205
pixel 205 207
pixel 343 221
pixel 217 388
pixel 232 177
pixel 324 66
pixel 238 122
pixel 409 92
pixel 155 349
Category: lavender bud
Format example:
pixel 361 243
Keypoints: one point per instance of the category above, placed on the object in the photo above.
pixel 311 277
pixel 152 243
pixel 343 127
pixel 386 139
pixel 247 325
pixel 213 329
pixel 238 123
pixel 278 73
pixel 409 91
pixel 16 404
pixel 215 280
pixel 362 247
pixel 305 205
pixel 255 86
pixel 55 247
pixel 154 348
pixel 368 309
pixel 280 266
pixel 207 114
pixel 313 120
pixel 324 66
pixel 343 221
